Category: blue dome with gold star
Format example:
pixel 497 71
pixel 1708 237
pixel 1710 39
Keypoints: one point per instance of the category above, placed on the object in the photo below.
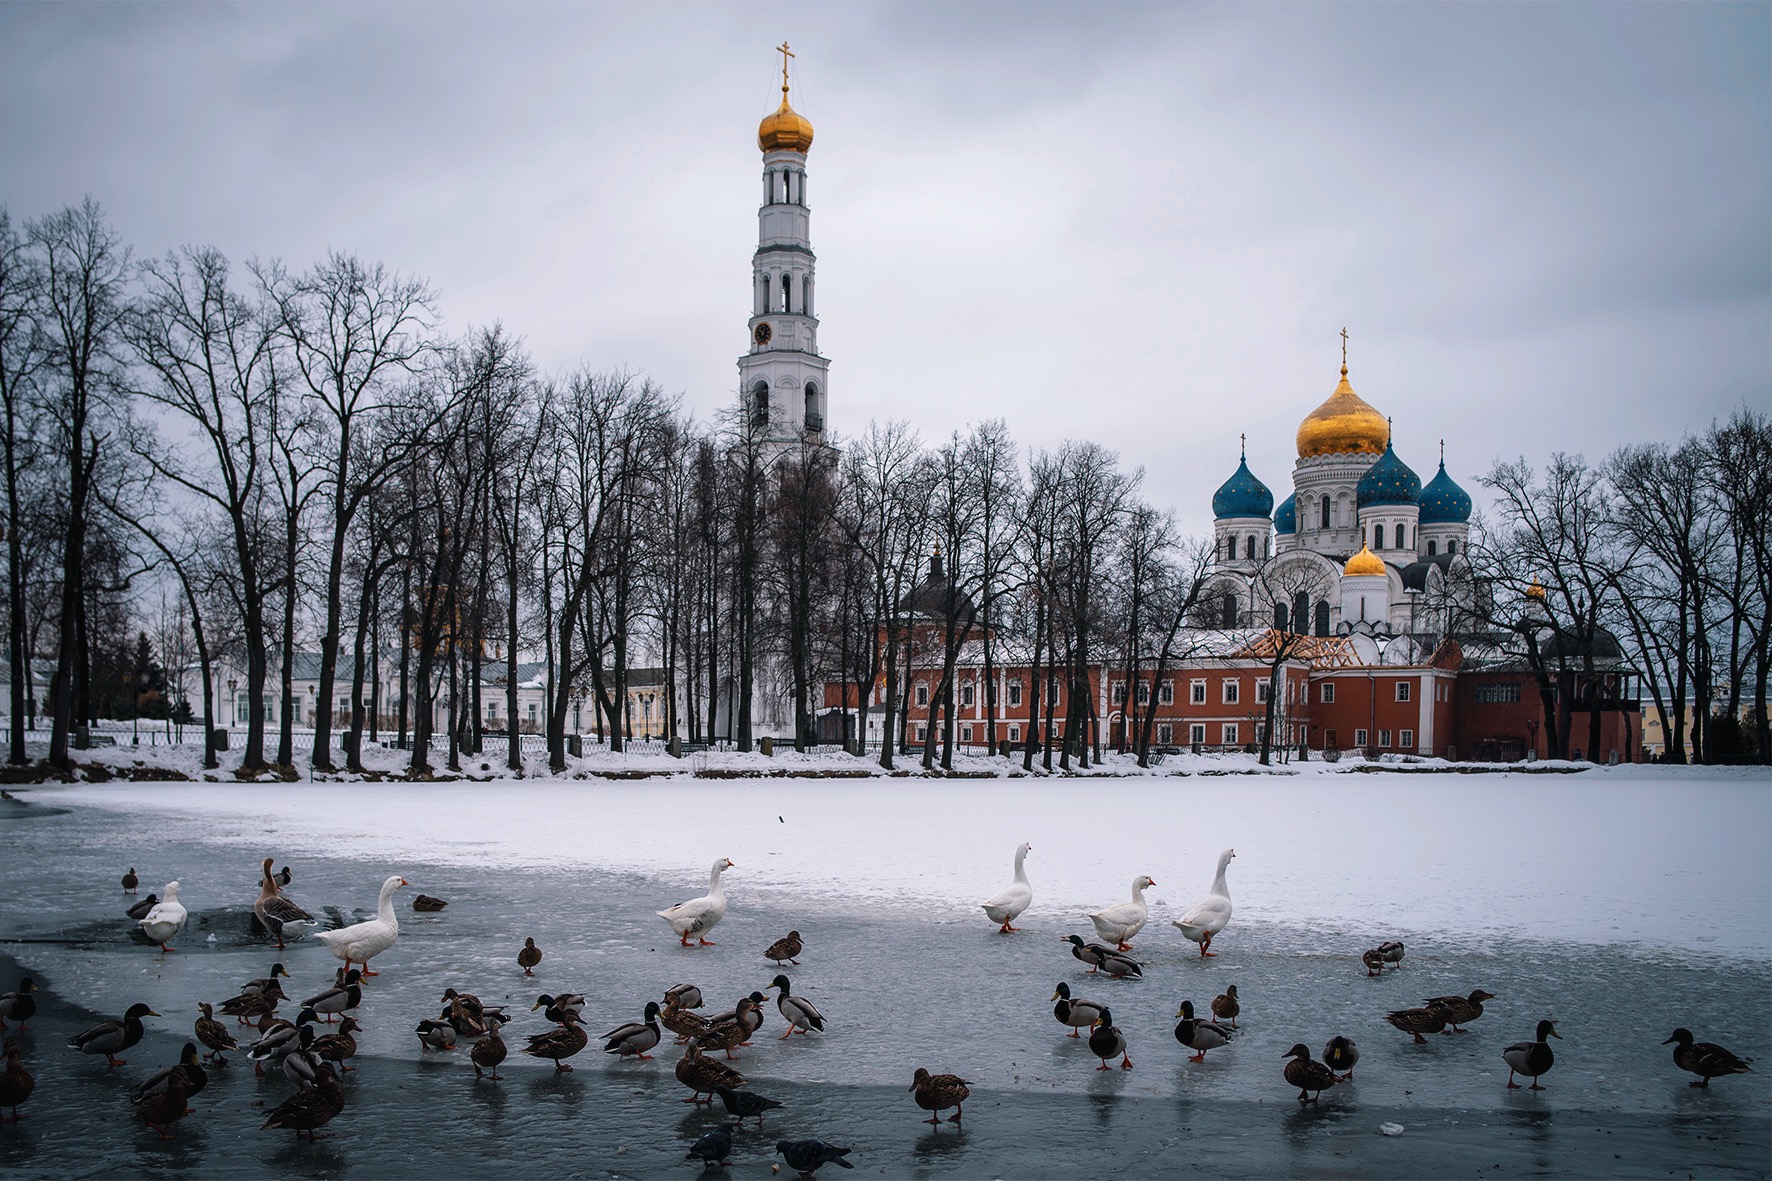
pixel 1443 502
pixel 1389 481
pixel 1242 495
pixel 1286 516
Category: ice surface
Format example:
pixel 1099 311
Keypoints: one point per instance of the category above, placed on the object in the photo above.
pixel 1618 904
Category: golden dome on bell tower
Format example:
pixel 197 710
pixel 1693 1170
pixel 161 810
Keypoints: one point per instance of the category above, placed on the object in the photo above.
pixel 786 130
pixel 1364 562
pixel 1344 423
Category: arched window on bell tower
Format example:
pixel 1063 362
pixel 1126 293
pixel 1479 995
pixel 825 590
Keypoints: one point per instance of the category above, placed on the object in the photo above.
pixel 1228 610
pixel 787 287
pixel 760 404
pixel 814 420
pixel 1325 523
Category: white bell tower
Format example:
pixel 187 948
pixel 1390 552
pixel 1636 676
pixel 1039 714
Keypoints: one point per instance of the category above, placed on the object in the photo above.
pixel 782 379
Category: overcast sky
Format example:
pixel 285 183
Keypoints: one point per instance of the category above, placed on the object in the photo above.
pixel 1546 227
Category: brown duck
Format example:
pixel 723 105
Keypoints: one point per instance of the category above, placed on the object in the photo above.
pixel 1462 1010
pixel 425 904
pixel 489 1051
pixel 786 948
pixel 1374 961
pixel 1431 1019
pixel 528 957
pixel 214 1035
pixel 559 1043
pixel 681 1021
pixel 162 1108
pixel 1226 1006
pixel 338 1045
pixel 250 1006
pixel 1310 1077
pixel 938 1092
pixel 704 1075
pixel 1703 1059
pixel 16 1083
pixel 312 1107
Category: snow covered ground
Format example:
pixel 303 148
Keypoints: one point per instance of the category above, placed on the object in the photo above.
pixel 1619 903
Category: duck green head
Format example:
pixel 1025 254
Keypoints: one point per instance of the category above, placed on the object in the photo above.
pixel 1186 1011
pixel 1073 940
pixel 1546 1029
pixel 137 1011
pixel 651 1011
pixel 1064 990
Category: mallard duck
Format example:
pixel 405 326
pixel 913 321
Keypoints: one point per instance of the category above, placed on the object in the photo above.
pixel 1533 1058
pixel 1704 1059
pixel 682 1022
pixel 732 1032
pixel 636 1037
pixel 279 1040
pixel 750 1016
pixel 713 1148
pixel 165 920
pixel 338 1046
pixel 1074 1011
pixel 1374 961
pixel 435 1033
pixel 1340 1053
pixel 249 1007
pixel 16 1083
pixel 1310 1077
pixel 686 996
pixel 938 1092
pixel 1226 1006
pixel 1392 951
pixel 554 1006
pixel 698 916
pixel 281 917
pixel 808 1155
pixel 528 956
pixel 130 881
pixel 1120 966
pixel 1211 914
pixel 702 1074
pixel 489 1051
pixel 302 1064
pixel 560 1043
pixel 467 1015
pixel 214 1035
pixel 1199 1035
pixel 785 948
pixel 1462 1010
pixel 162 1108
pixel 1118 924
pixel 114 1035
pixel 1088 953
pixel 187 1066
pixel 139 910
pixel 1106 1040
pixel 800 1013
pixel 745 1104
pixel 1006 905
pixel 338 999
pixel 267 981
pixel 20 1006
pixel 284 877
pixel 425 904
pixel 312 1108
pixel 1415 1022
pixel 361 942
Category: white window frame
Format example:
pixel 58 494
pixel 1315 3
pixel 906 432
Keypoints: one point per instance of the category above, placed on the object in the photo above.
pixel 1166 694
pixel 922 693
pixel 1014 732
pixel 1231 688
pixel 1405 740
pixel 1144 693
pixel 1117 693
pixel 967 695
pixel 1384 739
pixel 1014 693
pixel 1197 732
pixel 1197 692
pixel 1165 734
pixel 1360 736
pixel 1328 693
pixel 1261 691
pixel 1230 734
pixel 1403 691
pixel 966 735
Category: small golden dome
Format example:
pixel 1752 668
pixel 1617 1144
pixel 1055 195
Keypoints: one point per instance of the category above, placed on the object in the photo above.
pixel 1364 562
pixel 1342 424
pixel 1535 591
pixel 786 130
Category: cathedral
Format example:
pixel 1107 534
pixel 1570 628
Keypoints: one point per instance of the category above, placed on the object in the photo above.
pixel 1359 548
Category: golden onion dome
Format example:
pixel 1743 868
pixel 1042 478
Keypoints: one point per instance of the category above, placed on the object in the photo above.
pixel 785 131
pixel 1535 591
pixel 1345 423
pixel 1364 562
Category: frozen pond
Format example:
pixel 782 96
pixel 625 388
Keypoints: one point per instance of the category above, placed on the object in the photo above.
pixel 1619 904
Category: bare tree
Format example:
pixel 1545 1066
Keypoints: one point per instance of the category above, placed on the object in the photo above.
pixel 22 356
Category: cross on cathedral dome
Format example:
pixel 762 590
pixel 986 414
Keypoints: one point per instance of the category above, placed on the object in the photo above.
pixel 1389 481
pixel 1443 502
pixel 1242 495
pixel 786 130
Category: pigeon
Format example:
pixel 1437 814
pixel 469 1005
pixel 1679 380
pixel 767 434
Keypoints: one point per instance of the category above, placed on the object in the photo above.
pixel 715 1147
pixel 745 1104
pixel 808 1155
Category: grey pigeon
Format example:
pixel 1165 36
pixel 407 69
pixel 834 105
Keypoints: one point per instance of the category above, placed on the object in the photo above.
pixel 714 1147
pixel 745 1104
pixel 807 1155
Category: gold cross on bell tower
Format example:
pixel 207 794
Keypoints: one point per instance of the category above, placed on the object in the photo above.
pixel 1344 350
pixel 785 54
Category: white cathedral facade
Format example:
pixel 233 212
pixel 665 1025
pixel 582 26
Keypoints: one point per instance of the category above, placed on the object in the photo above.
pixel 1360 548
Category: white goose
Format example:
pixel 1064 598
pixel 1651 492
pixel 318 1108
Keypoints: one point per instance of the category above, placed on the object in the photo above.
pixel 1007 904
pixel 698 916
pixel 361 942
pixel 166 919
pixel 1210 914
pixel 1118 924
